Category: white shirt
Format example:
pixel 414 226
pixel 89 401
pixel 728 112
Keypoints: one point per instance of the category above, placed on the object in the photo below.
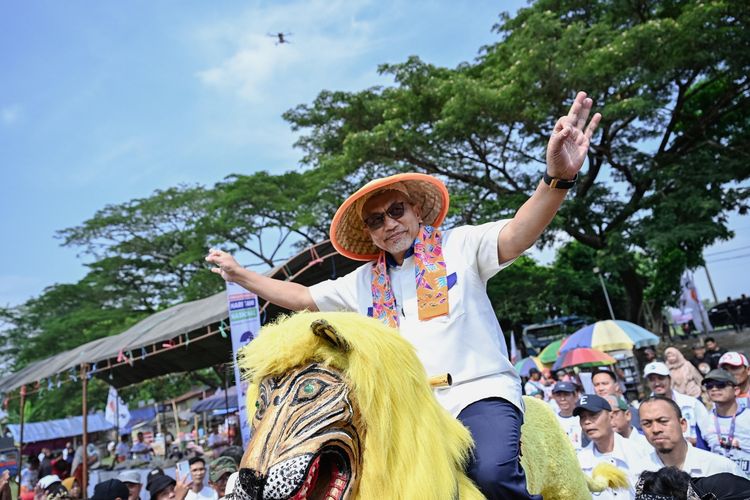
pixel 205 493
pixel 739 453
pixel 692 410
pixel 699 463
pixel 532 386
pixel 640 441
pixel 572 427
pixel 626 456
pixel 468 343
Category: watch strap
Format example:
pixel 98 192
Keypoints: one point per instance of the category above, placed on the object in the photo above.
pixel 556 183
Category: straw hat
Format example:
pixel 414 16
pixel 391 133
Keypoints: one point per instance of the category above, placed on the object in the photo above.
pixel 348 234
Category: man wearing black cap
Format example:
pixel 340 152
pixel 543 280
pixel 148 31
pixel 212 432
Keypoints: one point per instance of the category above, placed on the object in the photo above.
pixel 112 489
pixel 607 446
pixel 565 395
pixel 727 430
pixel 163 487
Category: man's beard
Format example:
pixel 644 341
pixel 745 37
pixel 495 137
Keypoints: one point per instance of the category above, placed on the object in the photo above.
pixel 401 245
pixel 666 449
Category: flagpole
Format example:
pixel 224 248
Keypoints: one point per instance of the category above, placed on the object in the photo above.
pixel 117 418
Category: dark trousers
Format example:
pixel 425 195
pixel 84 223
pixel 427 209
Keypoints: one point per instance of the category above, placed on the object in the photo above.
pixel 495 467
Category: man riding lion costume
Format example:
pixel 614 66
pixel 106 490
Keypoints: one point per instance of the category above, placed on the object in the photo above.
pixel 344 410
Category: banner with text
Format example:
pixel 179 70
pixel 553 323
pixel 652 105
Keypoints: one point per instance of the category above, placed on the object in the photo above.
pixel 244 321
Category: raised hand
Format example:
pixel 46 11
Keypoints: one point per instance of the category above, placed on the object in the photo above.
pixel 569 143
pixel 182 486
pixel 228 267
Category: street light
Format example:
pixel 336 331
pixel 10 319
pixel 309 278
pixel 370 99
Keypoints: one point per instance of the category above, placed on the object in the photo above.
pixel 606 295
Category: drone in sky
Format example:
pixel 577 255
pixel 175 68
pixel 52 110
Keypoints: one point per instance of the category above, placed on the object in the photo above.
pixel 280 37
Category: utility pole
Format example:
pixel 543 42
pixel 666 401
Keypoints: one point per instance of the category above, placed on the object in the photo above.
pixel 606 295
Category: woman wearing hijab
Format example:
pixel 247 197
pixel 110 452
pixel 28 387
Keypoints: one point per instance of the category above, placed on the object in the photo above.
pixel 685 377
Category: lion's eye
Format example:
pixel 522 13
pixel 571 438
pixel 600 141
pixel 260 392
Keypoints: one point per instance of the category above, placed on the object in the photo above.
pixel 308 390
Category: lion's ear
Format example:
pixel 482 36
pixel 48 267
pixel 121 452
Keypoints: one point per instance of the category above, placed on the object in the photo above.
pixel 327 332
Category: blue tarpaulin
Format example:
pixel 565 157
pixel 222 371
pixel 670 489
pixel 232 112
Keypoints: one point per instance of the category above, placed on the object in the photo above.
pixel 56 429
pixel 218 401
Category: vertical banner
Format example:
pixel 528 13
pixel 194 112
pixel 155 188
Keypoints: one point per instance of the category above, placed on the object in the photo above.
pixel 244 321
pixel 690 301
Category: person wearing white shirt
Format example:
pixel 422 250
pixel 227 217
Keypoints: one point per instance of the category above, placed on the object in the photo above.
pixel 607 446
pixel 534 384
pixel 565 394
pixel 199 490
pixel 727 429
pixel 431 284
pixel 664 427
pixel 621 423
pixel 693 410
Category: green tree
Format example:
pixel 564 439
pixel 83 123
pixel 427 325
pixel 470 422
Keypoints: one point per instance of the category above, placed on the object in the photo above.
pixel 670 78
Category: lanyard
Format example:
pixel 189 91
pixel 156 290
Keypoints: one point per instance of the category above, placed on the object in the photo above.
pixel 728 445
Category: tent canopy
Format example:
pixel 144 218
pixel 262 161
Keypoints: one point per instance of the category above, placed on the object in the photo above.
pixel 194 329
pixel 218 401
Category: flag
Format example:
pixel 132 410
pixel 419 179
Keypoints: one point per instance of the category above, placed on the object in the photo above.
pixel 513 349
pixel 690 302
pixel 116 405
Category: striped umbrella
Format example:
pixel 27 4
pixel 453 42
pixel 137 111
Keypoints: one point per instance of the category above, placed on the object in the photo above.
pixel 610 335
pixel 639 335
pixel 549 353
pixel 583 356
pixel 526 364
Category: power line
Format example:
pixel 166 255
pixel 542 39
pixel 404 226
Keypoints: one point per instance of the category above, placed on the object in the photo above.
pixel 729 258
pixel 727 251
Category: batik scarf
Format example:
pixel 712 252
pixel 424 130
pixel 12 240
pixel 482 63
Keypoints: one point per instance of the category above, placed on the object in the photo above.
pixel 431 281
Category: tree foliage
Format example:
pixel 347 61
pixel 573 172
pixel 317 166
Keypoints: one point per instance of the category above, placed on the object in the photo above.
pixel 665 169
pixel 670 78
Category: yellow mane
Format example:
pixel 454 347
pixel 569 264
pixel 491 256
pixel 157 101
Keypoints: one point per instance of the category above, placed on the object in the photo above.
pixel 413 448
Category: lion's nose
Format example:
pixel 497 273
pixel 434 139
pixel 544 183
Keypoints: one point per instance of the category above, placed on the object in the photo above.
pixel 250 485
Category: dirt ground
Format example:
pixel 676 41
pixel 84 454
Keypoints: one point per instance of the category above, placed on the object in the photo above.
pixel 727 339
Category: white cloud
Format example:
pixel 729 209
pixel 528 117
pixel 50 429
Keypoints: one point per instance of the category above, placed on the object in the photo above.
pixel 10 114
pixel 326 37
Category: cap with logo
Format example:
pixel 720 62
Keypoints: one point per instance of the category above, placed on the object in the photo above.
pixel 656 368
pixel 564 387
pixel 720 375
pixel 592 403
pixel 733 358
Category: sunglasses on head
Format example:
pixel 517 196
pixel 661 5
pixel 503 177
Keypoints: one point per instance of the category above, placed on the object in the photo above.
pixel 395 212
pixel 711 384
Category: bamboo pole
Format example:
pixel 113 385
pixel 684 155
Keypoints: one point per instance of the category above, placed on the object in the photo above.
pixel 20 440
pixel 85 436
pixel 176 427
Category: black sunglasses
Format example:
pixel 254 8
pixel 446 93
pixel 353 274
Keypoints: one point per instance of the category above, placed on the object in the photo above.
pixel 376 221
pixel 715 385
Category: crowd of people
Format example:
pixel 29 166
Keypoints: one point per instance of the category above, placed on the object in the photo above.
pixel 694 423
pixel 206 481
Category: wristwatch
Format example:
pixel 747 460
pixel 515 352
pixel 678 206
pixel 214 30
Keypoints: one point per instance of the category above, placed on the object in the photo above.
pixel 556 183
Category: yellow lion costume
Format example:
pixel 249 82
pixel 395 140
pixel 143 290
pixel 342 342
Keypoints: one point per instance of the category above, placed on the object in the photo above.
pixel 344 411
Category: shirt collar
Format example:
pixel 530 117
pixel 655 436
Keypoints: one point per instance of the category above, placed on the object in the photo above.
pixel 391 262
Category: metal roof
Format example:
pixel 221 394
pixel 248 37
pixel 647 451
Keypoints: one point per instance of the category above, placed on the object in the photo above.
pixel 184 337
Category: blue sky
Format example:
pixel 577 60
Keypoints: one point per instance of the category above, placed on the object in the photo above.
pixel 103 102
